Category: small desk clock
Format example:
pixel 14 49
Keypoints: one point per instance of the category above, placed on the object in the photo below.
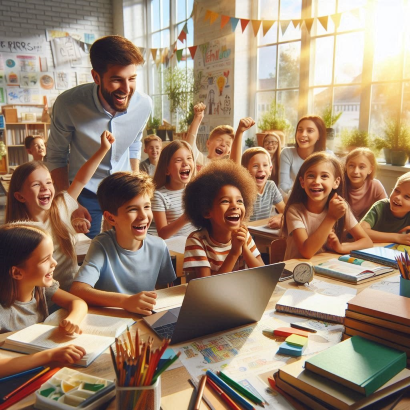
pixel 303 273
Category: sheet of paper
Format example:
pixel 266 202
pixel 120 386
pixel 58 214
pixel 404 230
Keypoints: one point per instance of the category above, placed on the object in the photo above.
pixel 176 244
pixel 169 298
pixel 390 284
pixel 329 289
pixel 265 229
pixel 82 244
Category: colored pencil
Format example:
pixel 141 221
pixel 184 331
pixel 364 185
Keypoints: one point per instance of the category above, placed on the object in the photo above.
pixel 204 397
pixel 96 396
pixel 13 376
pixel 165 367
pixel 222 395
pixel 200 393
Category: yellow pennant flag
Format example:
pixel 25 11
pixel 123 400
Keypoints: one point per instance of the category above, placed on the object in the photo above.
pixel 154 53
pixel 323 21
pixel 308 24
pixel 213 17
pixel 336 18
pixel 266 25
pixel 296 22
pixel 256 24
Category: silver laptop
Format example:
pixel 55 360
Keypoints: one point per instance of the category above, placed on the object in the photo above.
pixel 217 303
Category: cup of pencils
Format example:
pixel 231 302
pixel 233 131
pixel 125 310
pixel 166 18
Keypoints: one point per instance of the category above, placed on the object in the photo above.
pixel 403 262
pixel 138 369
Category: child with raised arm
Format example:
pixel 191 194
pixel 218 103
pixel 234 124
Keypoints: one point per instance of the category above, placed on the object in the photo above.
pixel 124 265
pixel 35 147
pixel 316 214
pixel 218 202
pixel 153 148
pixel 257 161
pixel 388 220
pixel 362 190
pixel 32 197
pixel 28 290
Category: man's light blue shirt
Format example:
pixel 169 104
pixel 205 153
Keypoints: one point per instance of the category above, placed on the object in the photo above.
pixel 78 121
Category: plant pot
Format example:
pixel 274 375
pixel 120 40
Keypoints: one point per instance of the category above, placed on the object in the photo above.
pixel 387 155
pixel 261 135
pixel 330 138
pixel 398 158
pixel 162 134
pixel 180 136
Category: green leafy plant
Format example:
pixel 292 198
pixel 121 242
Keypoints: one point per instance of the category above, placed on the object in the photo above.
pixel 274 119
pixel 3 150
pixel 355 138
pixel 153 123
pixel 250 142
pixel 396 137
pixel 187 119
pixel 328 117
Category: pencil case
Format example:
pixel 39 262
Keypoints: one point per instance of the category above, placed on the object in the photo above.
pixel 69 389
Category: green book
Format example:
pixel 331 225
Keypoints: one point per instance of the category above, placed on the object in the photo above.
pixel 359 364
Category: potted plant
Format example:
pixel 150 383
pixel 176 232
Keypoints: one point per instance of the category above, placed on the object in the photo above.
pixel 354 138
pixel 185 122
pixel 273 120
pixel 153 124
pixel 330 120
pixel 249 142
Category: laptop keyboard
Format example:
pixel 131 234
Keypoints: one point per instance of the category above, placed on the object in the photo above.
pixel 165 331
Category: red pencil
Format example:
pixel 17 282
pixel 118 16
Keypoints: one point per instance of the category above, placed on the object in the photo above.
pixel 223 395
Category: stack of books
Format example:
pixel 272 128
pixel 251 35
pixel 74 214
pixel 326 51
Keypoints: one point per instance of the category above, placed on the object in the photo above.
pixel 381 317
pixel 353 374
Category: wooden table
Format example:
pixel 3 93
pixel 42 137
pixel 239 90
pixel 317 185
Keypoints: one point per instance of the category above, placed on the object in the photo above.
pixel 176 391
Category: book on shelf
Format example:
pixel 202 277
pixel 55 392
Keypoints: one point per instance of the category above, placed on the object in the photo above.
pixel 379 254
pixel 314 305
pixel 349 272
pixel 99 332
pixel 358 363
pixel 382 305
pixel 319 392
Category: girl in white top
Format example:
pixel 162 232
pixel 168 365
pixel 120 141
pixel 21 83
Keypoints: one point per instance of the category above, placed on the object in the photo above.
pixel 271 142
pixel 310 137
pixel 32 197
pixel 316 213
pixel 28 289
pixel 175 168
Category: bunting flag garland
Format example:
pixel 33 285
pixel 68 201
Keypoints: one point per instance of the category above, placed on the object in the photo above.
pixel 179 54
pixel 266 25
pixel 308 24
pixel 213 17
pixel 182 36
pixel 336 18
pixel 234 23
pixel 256 24
pixel 323 21
pixel 208 15
pixel 284 24
pixel 192 50
pixel 224 21
pixel 154 53
pixel 296 22
pixel 244 23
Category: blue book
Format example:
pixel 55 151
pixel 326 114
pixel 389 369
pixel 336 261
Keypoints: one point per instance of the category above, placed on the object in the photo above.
pixel 384 256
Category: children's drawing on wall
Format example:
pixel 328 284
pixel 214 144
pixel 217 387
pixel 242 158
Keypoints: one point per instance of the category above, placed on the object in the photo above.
pixel 12 78
pixel 29 80
pixel 84 78
pixel 27 64
pixel 62 81
pixel 214 66
pixel 17 95
pixel 65 50
pixel 47 81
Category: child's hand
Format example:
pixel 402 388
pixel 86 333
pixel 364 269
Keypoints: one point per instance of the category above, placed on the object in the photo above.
pixel 142 303
pixel 245 124
pixel 67 354
pixel 199 110
pixel 81 225
pixel 239 240
pixel 275 222
pixel 107 139
pixel 70 327
pixel 337 207
pixel 334 243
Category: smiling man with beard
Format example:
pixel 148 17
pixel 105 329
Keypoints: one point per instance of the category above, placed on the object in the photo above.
pixel 82 113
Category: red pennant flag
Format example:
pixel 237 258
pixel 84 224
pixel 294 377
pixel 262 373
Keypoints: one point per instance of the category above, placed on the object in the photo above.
pixel 266 25
pixel 244 23
pixel 192 50
pixel 224 20
pixel 323 21
pixel 256 24
pixel 308 24
pixel 182 36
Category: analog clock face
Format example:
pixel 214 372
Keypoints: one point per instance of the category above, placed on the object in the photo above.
pixel 303 273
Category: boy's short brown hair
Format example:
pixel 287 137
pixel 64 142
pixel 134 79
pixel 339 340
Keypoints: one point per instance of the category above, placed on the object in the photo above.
pixel 251 152
pixel 29 140
pixel 120 187
pixel 403 178
pixel 150 138
pixel 114 50
pixel 222 129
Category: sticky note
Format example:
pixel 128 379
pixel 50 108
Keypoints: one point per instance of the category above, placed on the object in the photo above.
pixel 290 350
pixel 297 340
pixel 287 331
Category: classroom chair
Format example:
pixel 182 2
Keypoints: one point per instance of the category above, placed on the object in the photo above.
pixel 277 250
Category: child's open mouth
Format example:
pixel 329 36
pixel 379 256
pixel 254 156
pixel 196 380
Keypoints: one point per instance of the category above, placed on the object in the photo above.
pixel 185 173
pixel 233 218
pixel 44 199
pixel 395 203
pixel 141 229
pixel 219 151
pixel 316 191
pixel 260 177
pixel 49 275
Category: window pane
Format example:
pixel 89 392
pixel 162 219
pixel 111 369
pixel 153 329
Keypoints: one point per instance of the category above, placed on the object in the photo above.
pixel 267 68
pixel 384 105
pixel 319 99
pixel 289 100
pixel 165 13
pixel 321 62
pixel 263 101
pixel 350 21
pixel 323 8
pixel 165 41
pixel 181 10
pixel 268 10
pixel 157 106
pixel 290 9
pixel 407 55
pixel 190 35
pixel 156 40
pixel 405 113
pixel 349 58
pixel 289 64
pixel 155 15
pixel 347 100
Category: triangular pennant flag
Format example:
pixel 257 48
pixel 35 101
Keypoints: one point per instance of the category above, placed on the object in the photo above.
pixel 224 20
pixel 244 23
pixel 192 50
pixel 166 61
pixel 336 18
pixel 179 54
pixel 185 28
pixel 162 55
pixel 296 22
pixel 142 51
pixel 284 24
pixel 355 13
pixel 182 36
pixel 266 25
pixel 308 24
pixel 234 23
pixel 256 24
pixel 154 53
pixel 214 16
pixel 323 21
pixel 208 15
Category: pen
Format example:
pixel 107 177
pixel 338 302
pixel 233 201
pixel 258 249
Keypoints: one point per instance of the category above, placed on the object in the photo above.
pixel 26 383
pixel 229 391
pixel 200 393
pixel 240 389
pixel 301 327
pixel 96 396
pixel 13 376
pixel 223 395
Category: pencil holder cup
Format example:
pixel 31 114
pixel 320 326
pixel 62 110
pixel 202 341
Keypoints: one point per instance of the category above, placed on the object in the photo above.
pixel 139 398
pixel 404 287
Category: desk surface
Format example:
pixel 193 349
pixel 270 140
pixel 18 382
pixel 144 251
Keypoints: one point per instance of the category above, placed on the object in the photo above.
pixel 176 391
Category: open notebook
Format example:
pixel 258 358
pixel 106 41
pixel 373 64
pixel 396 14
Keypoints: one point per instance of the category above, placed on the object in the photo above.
pixel 99 333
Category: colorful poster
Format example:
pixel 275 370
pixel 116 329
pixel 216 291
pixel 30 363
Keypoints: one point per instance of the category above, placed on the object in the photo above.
pixel 65 50
pixel 62 80
pixel 47 81
pixel 17 95
pixel 27 64
pixel 29 80
pixel 12 78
